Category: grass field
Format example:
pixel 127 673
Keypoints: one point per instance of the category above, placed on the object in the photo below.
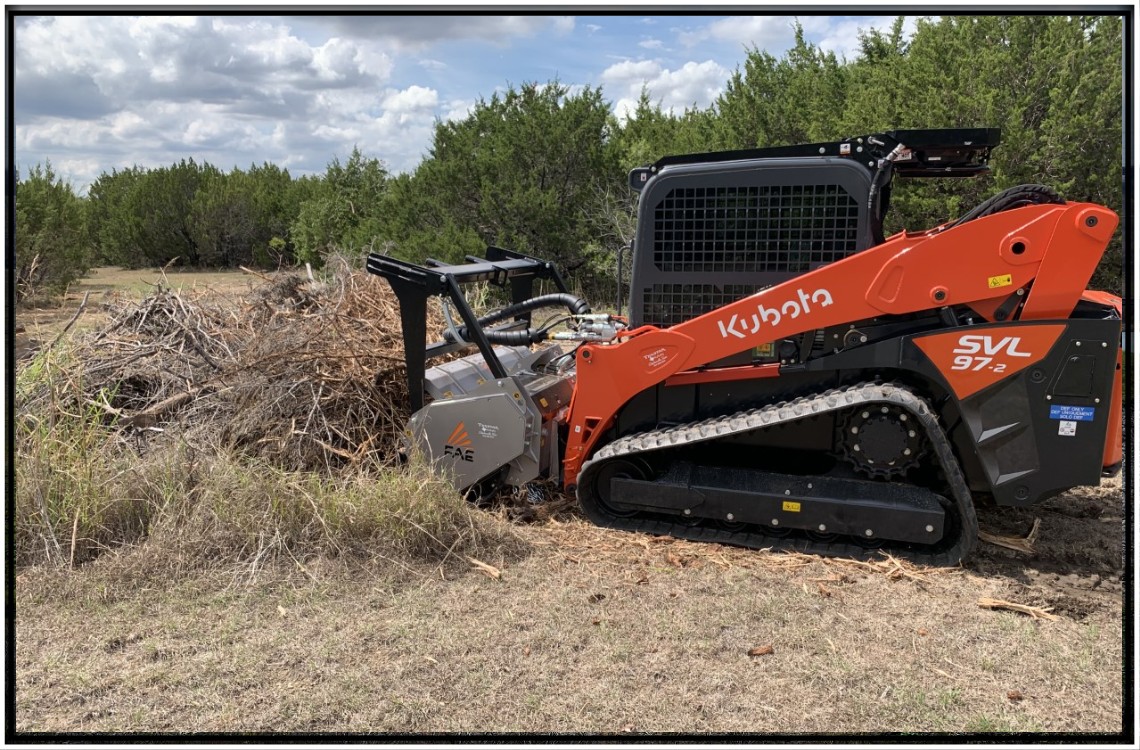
pixel 586 631
pixel 556 626
pixel 103 286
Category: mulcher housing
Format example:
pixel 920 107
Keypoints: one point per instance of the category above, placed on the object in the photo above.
pixel 788 377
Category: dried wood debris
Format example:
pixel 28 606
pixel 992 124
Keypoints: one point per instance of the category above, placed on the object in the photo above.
pixel 1037 613
pixel 307 374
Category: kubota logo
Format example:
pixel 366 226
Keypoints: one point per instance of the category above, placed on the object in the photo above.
pixel 739 326
pixel 458 446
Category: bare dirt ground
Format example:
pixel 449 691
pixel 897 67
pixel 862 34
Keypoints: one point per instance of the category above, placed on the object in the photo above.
pixel 597 631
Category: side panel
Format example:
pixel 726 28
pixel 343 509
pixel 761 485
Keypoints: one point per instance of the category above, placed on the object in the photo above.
pixel 1041 430
pixel 471 436
pixel 971 360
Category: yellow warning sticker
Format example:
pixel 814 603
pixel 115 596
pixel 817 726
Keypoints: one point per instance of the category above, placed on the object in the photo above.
pixel 791 506
pixel 764 350
pixel 997 282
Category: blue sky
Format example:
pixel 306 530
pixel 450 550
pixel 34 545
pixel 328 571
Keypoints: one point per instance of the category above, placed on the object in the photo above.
pixel 96 93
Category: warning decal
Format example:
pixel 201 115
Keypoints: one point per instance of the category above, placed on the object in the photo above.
pixel 1072 413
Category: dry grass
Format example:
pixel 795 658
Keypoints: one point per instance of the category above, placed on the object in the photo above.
pixel 190 580
pixel 206 428
pixel 643 645
pixel 176 510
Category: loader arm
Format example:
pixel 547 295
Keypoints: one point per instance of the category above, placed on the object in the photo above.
pixel 1046 253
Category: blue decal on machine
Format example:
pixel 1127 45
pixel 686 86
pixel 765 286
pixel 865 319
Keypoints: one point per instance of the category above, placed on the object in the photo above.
pixel 1072 413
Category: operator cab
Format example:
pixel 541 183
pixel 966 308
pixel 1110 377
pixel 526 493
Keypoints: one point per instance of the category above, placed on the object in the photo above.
pixel 716 227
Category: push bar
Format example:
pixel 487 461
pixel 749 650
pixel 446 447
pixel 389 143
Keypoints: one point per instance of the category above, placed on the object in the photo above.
pixel 414 283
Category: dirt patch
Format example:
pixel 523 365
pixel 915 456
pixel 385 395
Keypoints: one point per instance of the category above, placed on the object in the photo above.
pixel 1077 563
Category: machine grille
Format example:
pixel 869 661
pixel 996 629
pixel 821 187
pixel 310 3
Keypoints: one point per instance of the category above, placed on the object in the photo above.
pixel 670 304
pixel 750 229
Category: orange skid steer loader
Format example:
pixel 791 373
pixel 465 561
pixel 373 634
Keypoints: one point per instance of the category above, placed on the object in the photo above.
pixel 787 377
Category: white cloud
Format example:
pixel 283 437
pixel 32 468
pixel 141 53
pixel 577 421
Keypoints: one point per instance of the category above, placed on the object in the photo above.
pixel 458 109
pixel 692 84
pixel 593 27
pixel 777 33
pixel 338 59
pixel 419 32
pixel 336 134
pixel 70 44
pixel 627 71
pixel 58 132
pixel 269 44
pixel 202 130
pixel 747 31
pixel 564 24
pixel 412 99
pixel 343 103
pixel 651 43
pixel 128 125
pixel 118 91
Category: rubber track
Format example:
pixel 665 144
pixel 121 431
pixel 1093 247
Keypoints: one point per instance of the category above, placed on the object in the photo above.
pixel 947 552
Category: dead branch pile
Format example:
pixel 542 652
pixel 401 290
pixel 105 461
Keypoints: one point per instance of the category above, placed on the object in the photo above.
pixel 306 374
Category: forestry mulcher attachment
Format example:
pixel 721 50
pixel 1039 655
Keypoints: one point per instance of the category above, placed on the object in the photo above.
pixel 786 377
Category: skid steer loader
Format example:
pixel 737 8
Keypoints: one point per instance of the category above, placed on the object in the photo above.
pixel 786 376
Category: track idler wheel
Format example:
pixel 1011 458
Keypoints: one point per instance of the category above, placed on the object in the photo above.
pixel 630 468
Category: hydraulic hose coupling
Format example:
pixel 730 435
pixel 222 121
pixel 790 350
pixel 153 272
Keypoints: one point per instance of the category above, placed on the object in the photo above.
pixel 594 327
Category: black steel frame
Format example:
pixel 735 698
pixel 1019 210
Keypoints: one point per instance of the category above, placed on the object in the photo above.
pixel 414 283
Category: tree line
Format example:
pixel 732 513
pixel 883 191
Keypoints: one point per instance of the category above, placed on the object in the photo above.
pixel 542 167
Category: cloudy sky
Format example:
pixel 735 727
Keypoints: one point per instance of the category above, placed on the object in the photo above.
pixel 95 93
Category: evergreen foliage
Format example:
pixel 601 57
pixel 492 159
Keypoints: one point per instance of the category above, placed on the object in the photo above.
pixel 541 168
pixel 51 246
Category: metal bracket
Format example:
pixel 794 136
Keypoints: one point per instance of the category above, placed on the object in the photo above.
pixel 414 283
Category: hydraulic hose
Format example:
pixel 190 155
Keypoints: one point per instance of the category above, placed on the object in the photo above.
pixel 1014 197
pixel 877 208
pixel 576 306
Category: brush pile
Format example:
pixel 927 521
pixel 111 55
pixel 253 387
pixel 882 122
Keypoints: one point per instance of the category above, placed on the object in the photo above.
pixel 306 374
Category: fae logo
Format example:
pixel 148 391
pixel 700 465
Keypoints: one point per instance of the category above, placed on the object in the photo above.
pixel 740 326
pixel 972 361
pixel 458 446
